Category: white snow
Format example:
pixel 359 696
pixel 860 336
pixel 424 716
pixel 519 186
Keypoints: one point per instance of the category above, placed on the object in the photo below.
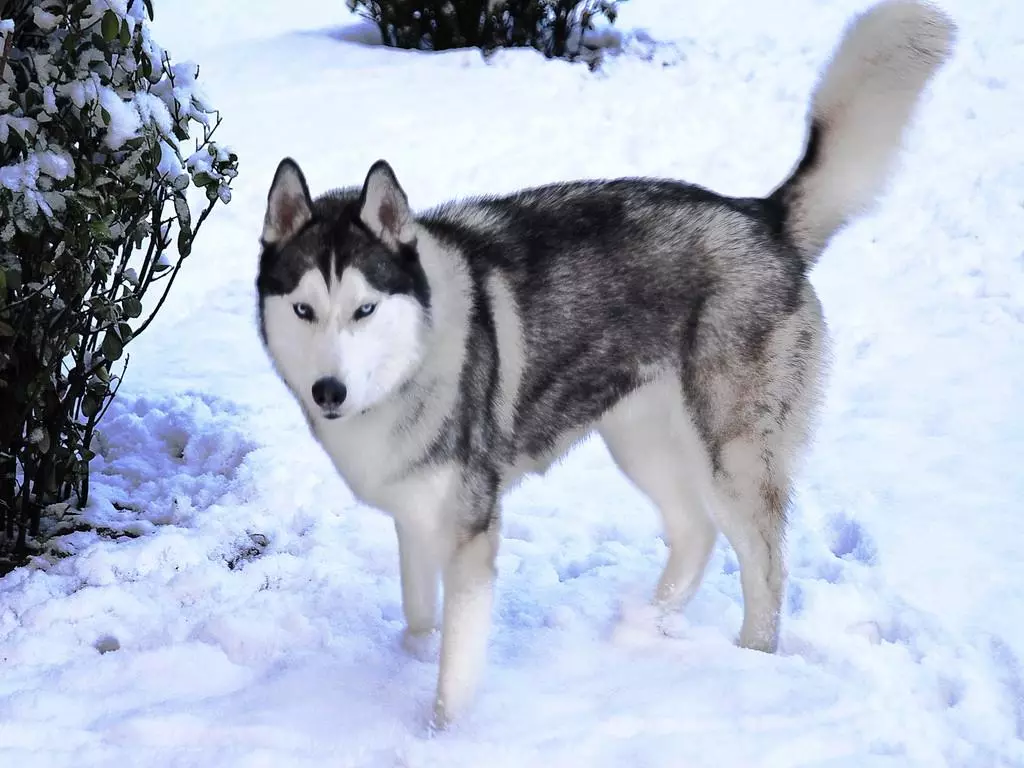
pixel 24 177
pixel 153 110
pixel 49 100
pixel 23 125
pixel 44 19
pixel 170 164
pixel 231 605
pixel 57 165
pixel 123 123
pixel 80 91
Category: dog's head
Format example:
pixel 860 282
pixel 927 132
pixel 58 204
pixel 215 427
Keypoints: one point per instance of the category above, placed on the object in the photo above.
pixel 343 299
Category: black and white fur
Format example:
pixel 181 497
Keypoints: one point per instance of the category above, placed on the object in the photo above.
pixel 439 357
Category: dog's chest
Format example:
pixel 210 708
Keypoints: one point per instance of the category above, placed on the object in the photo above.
pixel 364 461
pixel 374 461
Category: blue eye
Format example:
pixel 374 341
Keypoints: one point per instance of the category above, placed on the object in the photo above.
pixel 304 312
pixel 364 311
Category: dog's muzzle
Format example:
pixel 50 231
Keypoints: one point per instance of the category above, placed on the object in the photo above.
pixel 329 393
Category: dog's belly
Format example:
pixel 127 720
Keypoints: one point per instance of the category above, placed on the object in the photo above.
pixel 538 464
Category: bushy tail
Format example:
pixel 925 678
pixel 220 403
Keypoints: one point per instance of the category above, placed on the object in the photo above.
pixel 859 109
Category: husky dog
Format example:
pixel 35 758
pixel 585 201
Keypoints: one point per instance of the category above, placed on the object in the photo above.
pixel 439 357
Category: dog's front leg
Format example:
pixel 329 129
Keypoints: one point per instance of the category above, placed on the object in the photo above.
pixel 418 552
pixel 468 596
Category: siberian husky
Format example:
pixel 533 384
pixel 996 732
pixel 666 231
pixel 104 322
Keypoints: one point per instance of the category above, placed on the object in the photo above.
pixel 440 356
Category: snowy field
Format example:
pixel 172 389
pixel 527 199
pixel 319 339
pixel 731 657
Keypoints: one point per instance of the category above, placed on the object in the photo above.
pixel 238 608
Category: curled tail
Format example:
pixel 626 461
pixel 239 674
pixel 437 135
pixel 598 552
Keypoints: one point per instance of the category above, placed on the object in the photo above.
pixel 859 109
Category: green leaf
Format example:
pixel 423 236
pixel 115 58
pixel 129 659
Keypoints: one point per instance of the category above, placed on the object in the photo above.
pixel 112 346
pixel 110 26
pixel 15 139
pixel 184 214
pixel 5 329
pixel 126 35
pixel 132 306
pixel 41 439
pixel 98 388
pixel 100 229
pixel 14 278
pixel 184 243
pixel 90 405
pixel 184 225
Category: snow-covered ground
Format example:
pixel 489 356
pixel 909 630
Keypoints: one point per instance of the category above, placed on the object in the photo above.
pixel 252 616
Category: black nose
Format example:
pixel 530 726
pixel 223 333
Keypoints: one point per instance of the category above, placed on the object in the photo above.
pixel 328 392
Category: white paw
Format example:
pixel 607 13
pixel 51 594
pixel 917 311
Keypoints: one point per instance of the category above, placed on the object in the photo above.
pixel 423 645
pixel 450 709
pixel 441 718
pixel 763 640
pixel 638 624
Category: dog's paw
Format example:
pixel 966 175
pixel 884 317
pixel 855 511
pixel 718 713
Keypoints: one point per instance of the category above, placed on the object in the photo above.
pixel 441 718
pixel 638 624
pixel 423 646
pixel 450 713
pixel 761 640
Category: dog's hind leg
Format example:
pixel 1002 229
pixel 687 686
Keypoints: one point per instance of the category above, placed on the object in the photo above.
pixel 762 417
pixel 750 509
pixel 653 442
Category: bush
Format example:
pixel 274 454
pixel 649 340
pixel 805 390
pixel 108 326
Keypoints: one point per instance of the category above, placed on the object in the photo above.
pixel 554 27
pixel 93 187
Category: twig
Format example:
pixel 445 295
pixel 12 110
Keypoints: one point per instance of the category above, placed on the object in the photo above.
pixel 8 42
pixel 174 272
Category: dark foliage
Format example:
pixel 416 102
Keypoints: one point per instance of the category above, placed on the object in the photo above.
pixel 555 27
pixel 95 225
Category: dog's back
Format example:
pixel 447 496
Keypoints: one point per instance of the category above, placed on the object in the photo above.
pixel 614 282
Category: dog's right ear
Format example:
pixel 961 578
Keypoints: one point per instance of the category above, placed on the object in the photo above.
pixel 289 205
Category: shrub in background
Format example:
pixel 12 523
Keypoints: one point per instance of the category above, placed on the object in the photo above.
pixel 554 27
pixel 95 225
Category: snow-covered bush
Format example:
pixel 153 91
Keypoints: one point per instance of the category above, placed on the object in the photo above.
pixel 555 27
pixel 95 224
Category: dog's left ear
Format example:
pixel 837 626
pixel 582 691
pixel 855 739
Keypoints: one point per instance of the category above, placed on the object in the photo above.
pixel 383 206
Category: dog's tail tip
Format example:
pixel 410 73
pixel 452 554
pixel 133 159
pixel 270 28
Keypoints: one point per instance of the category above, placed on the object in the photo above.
pixel 908 39
pixel 859 110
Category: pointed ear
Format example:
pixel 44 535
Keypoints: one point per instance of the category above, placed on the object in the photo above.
pixel 289 205
pixel 383 206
